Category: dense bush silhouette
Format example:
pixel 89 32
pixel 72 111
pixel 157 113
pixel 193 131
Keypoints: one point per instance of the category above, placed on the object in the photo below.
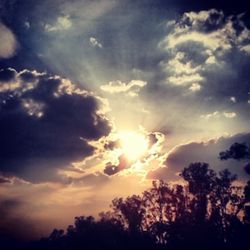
pixel 208 211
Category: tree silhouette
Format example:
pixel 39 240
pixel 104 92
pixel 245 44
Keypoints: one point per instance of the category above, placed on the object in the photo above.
pixel 237 151
pixel 209 211
pixel 241 151
pixel 201 181
pixel 130 212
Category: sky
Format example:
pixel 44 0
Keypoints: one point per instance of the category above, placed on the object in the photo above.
pixel 99 98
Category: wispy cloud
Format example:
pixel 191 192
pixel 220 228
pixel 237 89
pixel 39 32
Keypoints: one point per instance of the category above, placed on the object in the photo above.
pixel 218 114
pixel 195 87
pixel 229 114
pixel 94 42
pixel 132 88
pixel 62 23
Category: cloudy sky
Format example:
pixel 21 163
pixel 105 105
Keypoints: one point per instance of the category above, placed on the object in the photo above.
pixel 97 98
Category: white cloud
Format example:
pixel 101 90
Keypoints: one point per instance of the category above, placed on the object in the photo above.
pixel 27 25
pixel 181 71
pixel 8 44
pixel 211 60
pixel 209 28
pixel 62 23
pixel 198 18
pixel 215 114
pixel 229 114
pixel 218 114
pixel 212 41
pixel 233 99
pixel 197 42
pixel 132 88
pixel 185 79
pixel 246 48
pixel 195 87
pixel 178 65
pixel 94 42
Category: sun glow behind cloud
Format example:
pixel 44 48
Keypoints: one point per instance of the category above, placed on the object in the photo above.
pixel 133 144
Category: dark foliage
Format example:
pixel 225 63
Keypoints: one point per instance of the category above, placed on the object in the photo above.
pixel 237 151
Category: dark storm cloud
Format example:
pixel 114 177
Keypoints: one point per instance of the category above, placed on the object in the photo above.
pixel 183 155
pixel 45 124
pixel 213 22
pixel 7 75
pixel 111 145
pixel 111 169
pixel 153 139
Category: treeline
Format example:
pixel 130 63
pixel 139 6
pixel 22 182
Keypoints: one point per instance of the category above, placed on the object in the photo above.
pixel 208 212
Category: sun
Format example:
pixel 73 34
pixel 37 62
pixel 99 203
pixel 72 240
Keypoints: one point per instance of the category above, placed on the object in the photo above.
pixel 133 144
